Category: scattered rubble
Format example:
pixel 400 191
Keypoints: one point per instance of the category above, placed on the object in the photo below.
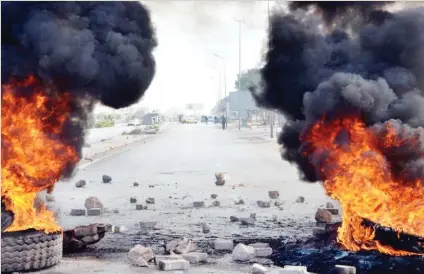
pixel 136 184
pixel 259 269
pixel 150 200
pixel 180 246
pixel 167 257
pixel 198 204
pixel 80 183
pixel 300 199
pixel 133 200
pixel 273 194
pixel 196 257
pixel 214 196
pixel 253 216
pixel 106 179
pixel 178 264
pixel 216 203
pixel 206 229
pixel 234 219
pixel 323 216
pixel 147 225
pixel 293 269
pixel 239 202
pixel 343 269
pixel 77 212
pixel 262 250
pixel 94 211
pixel 243 253
pixel 278 203
pixel 224 244
pixel 139 207
pixel 93 202
pixel 140 255
pixel 78 238
pixel 263 204
pixel 247 221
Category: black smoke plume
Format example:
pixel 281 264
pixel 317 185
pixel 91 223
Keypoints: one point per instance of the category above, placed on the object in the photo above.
pixel 375 71
pixel 96 51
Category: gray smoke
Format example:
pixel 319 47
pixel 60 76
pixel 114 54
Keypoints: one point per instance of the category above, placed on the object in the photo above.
pixel 374 71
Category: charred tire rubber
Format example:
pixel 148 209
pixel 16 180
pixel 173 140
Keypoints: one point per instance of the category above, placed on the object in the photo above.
pixel 29 250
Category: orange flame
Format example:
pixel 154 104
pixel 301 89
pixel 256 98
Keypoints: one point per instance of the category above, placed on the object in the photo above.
pixel 33 156
pixel 358 175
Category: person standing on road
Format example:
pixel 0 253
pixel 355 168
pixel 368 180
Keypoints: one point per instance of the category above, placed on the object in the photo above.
pixel 224 122
pixel 206 120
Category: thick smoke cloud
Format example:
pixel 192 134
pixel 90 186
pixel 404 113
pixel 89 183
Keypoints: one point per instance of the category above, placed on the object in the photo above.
pixel 101 49
pixel 374 71
pixel 95 51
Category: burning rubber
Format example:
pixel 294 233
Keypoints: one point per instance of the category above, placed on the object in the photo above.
pixel 29 250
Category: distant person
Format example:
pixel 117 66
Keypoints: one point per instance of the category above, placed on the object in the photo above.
pixel 206 120
pixel 224 122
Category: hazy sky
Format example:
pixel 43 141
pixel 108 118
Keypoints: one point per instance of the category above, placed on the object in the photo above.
pixel 189 33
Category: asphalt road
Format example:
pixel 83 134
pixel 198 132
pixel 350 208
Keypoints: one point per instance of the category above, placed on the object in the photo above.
pixel 180 164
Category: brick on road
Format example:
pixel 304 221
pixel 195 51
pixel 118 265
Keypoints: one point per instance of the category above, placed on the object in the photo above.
pixel 224 245
pixel 196 257
pixel 167 257
pixel 169 265
pixel 94 211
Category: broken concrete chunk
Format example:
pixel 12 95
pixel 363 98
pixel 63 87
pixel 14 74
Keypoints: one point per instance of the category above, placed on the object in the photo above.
pixel 168 265
pixel 300 199
pixel 133 200
pixel 216 203
pixel 81 231
pixel 206 229
pixel 214 196
pixel 136 184
pixel 196 257
pixel 273 194
pixel 80 183
pixel 198 204
pixel 135 256
pixel 263 204
pixel 224 244
pixel 333 211
pixel 239 202
pixel 247 221
pixel 263 252
pixel 323 216
pixel 147 225
pixel 185 246
pixel 278 203
pixel 139 207
pixel 234 219
pixel 219 176
pixel 253 216
pixel 106 179
pixel 77 212
pixel 259 245
pixel 167 257
pixel 93 202
pixel 150 200
pixel 220 182
pixel 108 228
pixel 343 269
pixel 258 269
pixel 94 211
pixel 329 205
pixel 243 253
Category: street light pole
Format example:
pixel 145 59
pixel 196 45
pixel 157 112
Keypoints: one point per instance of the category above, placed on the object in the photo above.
pixel 239 75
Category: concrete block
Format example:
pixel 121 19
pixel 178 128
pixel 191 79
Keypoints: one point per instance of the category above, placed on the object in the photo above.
pixel 224 245
pixel 147 225
pixel 94 211
pixel 81 231
pixel 260 245
pixel 196 257
pixel 243 253
pixel 198 204
pixel 77 212
pixel 169 265
pixel 343 269
pixel 167 257
pixel 263 252
pixel 259 269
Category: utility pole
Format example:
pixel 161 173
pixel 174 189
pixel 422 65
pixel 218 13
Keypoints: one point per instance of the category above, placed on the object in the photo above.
pixel 239 76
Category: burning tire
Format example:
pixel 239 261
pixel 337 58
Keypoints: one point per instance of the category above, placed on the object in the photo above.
pixel 29 250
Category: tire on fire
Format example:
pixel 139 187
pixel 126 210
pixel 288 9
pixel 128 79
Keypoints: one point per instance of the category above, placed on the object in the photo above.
pixel 30 250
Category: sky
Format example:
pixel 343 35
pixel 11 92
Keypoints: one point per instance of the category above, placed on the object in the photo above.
pixel 189 34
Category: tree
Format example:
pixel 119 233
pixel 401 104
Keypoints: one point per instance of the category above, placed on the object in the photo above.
pixel 247 79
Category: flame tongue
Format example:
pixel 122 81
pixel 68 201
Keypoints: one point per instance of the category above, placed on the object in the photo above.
pixel 33 155
pixel 357 174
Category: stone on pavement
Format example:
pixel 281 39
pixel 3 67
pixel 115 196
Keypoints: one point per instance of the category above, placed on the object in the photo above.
pixel 273 194
pixel 133 200
pixel 239 202
pixel 216 203
pixel 329 205
pixel 169 265
pixel 323 216
pixel 278 203
pixel 150 200
pixel 214 196
pixel 136 184
pixel 219 176
pixel 81 231
pixel 167 257
pixel 294 269
pixel 93 202
pixel 234 219
pixel 90 239
pixel 198 204
pixel 80 183
pixel 106 179
pixel 77 212
pixel 147 225
pixel 224 244
pixel 343 269
pixel 196 257
pixel 181 246
pixel 139 207
pixel 94 211
pixel 259 245
pixel 243 253
pixel 259 269
pixel 263 204
pixel 206 228
pixel 247 221
pixel 220 182
pixel 135 256
pixel 300 199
